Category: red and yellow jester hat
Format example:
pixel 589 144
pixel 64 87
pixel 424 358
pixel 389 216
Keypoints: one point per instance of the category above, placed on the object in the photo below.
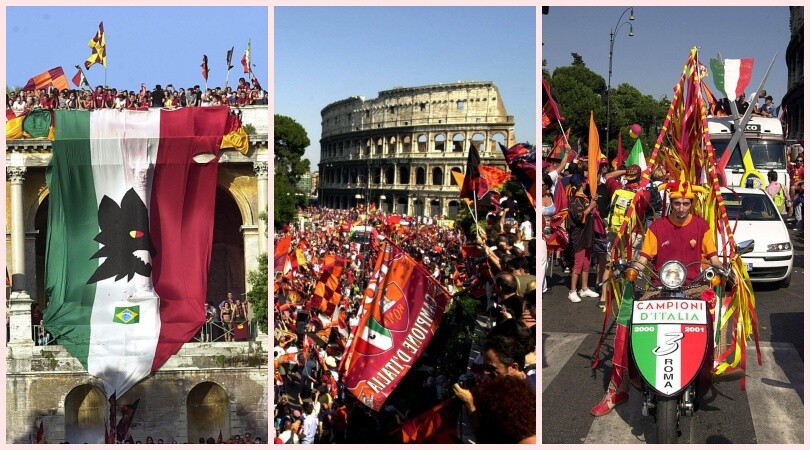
pixel 682 189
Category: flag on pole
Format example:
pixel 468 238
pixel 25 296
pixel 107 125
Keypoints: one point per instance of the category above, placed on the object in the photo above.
pixel 636 156
pixel 620 156
pixel 40 432
pixel 109 431
pixel 228 59
pixel 54 77
pixel 246 58
pixel 127 413
pixel 437 425
pixel 402 309
pixel 98 49
pixel 130 224
pixel 593 156
pixel 522 161
pixel 493 178
pixel 79 80
pixel 204 67
pixel 472 174
pixel 551 113
pixel 732 75
pixel 558 147
pixel 327 295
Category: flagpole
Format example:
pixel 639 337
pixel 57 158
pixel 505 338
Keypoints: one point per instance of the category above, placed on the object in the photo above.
pixel 563 132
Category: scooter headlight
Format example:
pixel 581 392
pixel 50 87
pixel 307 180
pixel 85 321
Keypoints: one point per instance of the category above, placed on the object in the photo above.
pixel 672 274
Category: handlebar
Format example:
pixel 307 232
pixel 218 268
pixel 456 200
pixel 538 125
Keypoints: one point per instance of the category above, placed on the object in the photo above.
pixel 647 274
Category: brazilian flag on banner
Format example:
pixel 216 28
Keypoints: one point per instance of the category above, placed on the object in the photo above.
pixel 126 314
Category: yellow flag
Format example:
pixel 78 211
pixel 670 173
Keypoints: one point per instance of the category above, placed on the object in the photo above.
pixel 593 156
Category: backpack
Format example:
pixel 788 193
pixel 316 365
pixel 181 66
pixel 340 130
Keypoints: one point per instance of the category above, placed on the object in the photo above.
pixel 656 203
pixel 618 208
pixel 779 198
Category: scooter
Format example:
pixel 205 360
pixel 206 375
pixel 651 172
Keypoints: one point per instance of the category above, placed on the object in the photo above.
pixel 672 339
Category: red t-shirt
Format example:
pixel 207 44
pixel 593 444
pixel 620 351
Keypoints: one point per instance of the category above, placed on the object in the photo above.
pixel 688 242
pixel 98 99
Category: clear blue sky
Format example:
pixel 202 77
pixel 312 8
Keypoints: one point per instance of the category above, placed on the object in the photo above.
pixel 652 60
pixel 152 45
pixel 325 54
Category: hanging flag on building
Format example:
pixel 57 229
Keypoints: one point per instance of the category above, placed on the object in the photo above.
pixel 98 49
pixel 79 80
pixel 204 67
pixel 731 76
pixel 114 244
pixel 246 58
pixel 402 309
pixel 54 77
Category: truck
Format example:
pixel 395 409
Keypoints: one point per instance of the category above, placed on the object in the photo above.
pixel 765 141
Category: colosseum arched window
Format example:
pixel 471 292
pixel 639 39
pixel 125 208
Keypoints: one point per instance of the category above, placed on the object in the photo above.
pixel 478 142
pixel 452 209
pixel 420 176
pixel 392 145
pixel 497 138
pixel 422 142
pixel 406 144
pixel 378 147
pixel 458 142
pixel 404 175
pixel 437 177
pixel 389 175
pixel 438 143
pixel 452 179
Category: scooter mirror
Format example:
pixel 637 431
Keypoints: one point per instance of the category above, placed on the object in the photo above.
pixel 746 246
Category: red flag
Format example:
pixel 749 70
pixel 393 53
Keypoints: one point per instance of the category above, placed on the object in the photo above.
pixel 127 413
pixel 246 58
pixel 620 155
pixel 559 144
pixel 204 66
pixel 495 178
pixel 522 161
pixel 281 254
pixel 40 433
pixel 434 426
pixel 402 310
pixel 551 113
pixel 472 175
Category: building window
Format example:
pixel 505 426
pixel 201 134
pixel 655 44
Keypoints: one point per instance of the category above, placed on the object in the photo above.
pixel 420 176
pixel 438 144
pixel 422 142
pixel 437 177
pixel 458 142
pixel 404 175
pixel 423 107
pixel 460 104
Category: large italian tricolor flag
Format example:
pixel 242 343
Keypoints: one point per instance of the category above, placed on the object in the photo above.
pixel 130 224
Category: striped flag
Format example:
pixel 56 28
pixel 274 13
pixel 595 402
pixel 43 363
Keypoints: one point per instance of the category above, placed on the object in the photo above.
pixel 204 67
pixel 130 227
pixel 54 77
pixel 228 58
pixel 327 296
pixel 98 49
pixel 246 58
pixel 636 156
pixel 79 79
pixel 732 75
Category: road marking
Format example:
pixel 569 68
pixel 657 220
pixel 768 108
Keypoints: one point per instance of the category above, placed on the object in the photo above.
pixel 775 400
pixel 625 425
pixel 557 350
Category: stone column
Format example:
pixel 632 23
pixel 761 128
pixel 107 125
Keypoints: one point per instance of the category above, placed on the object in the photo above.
pixel 20 301
pixel 260 167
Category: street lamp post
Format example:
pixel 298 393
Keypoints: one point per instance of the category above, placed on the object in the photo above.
pixel 619 24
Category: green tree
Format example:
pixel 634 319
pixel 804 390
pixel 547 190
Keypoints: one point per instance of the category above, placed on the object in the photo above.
pixel 283 201
pixel 289 142
pixel 258 292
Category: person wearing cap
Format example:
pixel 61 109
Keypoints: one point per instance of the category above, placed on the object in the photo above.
pixel 680 236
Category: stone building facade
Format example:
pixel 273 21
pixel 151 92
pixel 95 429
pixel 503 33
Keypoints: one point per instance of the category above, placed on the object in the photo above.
pixel 398 150
pixel 794 57
pixel 226 381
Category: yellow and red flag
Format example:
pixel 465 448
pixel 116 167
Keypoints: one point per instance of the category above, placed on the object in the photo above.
pixel 593 156
pixel 98 49
pixel 54 77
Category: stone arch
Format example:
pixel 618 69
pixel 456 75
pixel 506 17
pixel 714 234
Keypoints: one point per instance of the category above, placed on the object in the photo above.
pixel 207 408
pixel 422 142
pixel 402 205
pixel 389 175
pixel 226 273
pixel 439 142
pixel 435 208
pixel 437 176
pixel 86 412
pixel 421 178
pixel 404 174
pixel 497 138
pixel 458 142
pixel 478 140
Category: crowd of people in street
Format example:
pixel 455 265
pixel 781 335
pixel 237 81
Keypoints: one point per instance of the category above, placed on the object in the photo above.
pixel 313 405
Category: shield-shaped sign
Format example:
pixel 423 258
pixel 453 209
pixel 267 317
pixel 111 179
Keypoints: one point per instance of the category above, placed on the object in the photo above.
pixel 668 339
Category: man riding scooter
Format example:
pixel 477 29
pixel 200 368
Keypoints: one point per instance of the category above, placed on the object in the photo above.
pixel 680 236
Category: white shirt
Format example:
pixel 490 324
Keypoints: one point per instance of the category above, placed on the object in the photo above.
pixel 310 428
pixel 526 229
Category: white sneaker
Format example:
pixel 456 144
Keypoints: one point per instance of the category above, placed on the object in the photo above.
pixel 574 297
pixel 588 293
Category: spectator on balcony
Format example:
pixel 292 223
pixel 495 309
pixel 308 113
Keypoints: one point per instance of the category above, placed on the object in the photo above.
pixel 226 316
pixel 19 104
pixel 244 100
pixel 191 97
pixel 243 85
pixel 157 97
pixel 180 98
pixel 98 98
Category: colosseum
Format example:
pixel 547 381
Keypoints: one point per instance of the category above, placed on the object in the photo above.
pixel 399 149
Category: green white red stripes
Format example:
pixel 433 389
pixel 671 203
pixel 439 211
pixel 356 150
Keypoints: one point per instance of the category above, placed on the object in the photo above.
pixel 118 180
pixel 732 75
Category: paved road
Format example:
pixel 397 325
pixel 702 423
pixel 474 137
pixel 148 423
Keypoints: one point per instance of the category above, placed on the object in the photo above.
pixel 770 410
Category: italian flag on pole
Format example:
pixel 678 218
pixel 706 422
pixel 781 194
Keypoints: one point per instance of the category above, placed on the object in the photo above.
pixel 130 223
pixel 636 156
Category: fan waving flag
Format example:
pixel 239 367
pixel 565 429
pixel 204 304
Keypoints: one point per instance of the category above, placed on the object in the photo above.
pixel 731 76
pixel 79 79
pixel 204 67
pixel 551 113
pixel 54 77
pixel 522 161
pixel 636 156
pixel 228 58
pixel 472 175
pixel 246 59
pixel 402 309
pixel 130 227
pixel 98 48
